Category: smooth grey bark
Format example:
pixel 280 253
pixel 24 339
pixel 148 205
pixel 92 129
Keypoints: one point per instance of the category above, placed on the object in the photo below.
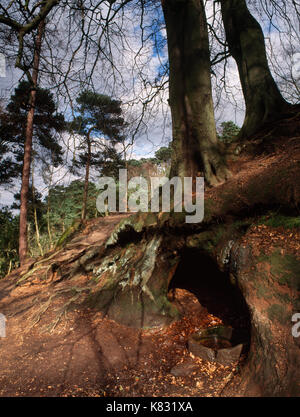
pixel 245 38
pixel 195 145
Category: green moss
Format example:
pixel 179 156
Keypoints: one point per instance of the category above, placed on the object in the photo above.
pixel 151 219
pixel 207 240
pixel 218 234
pixel 69 233
pixel 242 224
pixel 283 297
pixel 163 218
pixel 263 292
pixel 177 219
pixel 276 312
pixel 140 222
pixel 285 269
pixel 208 209
pixel 279 220
pixel 165 307
pixel 296 304
pixel 199 239
pixel 173 261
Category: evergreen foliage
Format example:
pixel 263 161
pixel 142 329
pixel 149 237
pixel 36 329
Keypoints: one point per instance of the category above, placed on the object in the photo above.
pixel 47 124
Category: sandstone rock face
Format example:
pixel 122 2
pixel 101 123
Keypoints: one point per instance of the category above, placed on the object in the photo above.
pixel 133 284
pixel 133 280
pixel 270 284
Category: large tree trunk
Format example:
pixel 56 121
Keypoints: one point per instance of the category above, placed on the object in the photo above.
pixel 87 175
pixel 23 243
pixel 245 38
pixel 195 145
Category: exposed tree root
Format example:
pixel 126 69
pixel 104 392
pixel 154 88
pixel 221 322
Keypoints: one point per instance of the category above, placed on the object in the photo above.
pixel 63 310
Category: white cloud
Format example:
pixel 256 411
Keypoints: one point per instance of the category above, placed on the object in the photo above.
pixel 128 79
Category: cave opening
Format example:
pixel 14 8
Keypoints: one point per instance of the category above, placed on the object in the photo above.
pixel 200 275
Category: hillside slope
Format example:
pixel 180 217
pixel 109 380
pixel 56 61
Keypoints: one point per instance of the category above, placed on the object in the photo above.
pixel 60 342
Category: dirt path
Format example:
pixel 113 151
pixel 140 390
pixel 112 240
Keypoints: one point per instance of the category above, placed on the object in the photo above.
pixel 88 355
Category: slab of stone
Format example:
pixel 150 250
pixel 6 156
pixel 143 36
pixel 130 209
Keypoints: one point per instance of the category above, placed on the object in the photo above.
pixel 229 355
pixel 203 352
pixel 222 353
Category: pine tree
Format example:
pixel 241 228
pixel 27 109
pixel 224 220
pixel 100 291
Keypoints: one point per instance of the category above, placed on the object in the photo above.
pixel 99 123
pixel 44 143
pixel 47 123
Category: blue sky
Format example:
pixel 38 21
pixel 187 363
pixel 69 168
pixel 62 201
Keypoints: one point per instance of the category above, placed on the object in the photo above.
pixel 158 131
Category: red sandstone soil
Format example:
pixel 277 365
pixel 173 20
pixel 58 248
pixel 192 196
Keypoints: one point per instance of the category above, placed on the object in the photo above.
pixel 88 355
